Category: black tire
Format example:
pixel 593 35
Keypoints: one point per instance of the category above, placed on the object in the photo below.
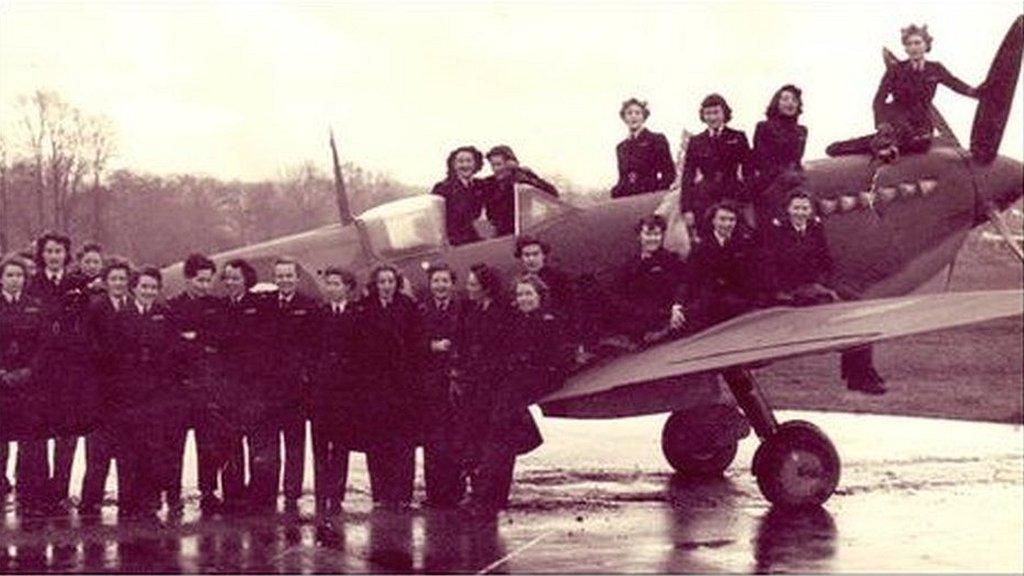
pixel 797 466
pixel 703 441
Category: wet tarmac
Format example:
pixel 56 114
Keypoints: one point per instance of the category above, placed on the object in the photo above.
pixel 915 495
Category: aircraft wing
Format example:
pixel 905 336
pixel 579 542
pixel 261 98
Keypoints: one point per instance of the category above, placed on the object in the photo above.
pixel 612 389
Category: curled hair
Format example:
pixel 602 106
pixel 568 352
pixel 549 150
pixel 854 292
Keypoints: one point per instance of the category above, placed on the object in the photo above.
pixel 727 205
pixel 528 240
pixel 651 221
pixel 116 264
pixel 438 268
pixel 347 278
pixel 773 106
pixel 371 288
pixel 14 261
pixel 89 247
pixel 712 100
pixel 915 30
pixel 797 193
pixel 195 263
pixel 634 102
pixel 52 237
pixel 490 281
pixel 538 284
pixel 249 276
pixel 503 151
pixel 151 271
pixel 478 159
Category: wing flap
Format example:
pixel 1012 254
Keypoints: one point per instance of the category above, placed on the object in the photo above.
pixel 777 333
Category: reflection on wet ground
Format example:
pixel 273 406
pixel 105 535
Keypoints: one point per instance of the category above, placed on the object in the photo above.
pixel 912 505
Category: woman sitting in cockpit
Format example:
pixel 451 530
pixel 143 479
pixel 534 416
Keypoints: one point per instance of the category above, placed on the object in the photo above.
pixel 902 103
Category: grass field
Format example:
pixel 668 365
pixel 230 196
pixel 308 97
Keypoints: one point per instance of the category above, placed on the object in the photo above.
pixel 975 372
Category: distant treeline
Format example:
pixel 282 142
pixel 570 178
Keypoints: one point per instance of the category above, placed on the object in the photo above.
pixel 54 176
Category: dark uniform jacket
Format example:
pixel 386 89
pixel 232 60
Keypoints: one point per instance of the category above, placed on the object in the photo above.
pixel 645 164
pixel 723 281
pixel 198 322
pixel 779 144
pixel 23 326
pixel 293 326
pixel 499 197
pixel 648 287
pixel 722 162
pixel 912 92
pixel 245 338
pixel 463 204
pixel 440 322
pixel 390 347
pixel 143 374
pixel 794 259
pixel 336 373
pixel 537 359
pixel 562 298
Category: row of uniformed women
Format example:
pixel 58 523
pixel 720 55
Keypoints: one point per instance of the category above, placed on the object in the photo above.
pixel 378 374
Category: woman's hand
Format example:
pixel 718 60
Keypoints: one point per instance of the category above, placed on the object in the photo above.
pixel 442 345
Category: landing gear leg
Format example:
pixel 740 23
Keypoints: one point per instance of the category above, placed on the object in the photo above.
pixel 796 464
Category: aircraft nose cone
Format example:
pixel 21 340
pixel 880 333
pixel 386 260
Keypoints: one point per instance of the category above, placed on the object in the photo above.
pixel 1001 182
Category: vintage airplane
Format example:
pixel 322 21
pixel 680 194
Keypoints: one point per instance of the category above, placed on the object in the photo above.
pixel 891 228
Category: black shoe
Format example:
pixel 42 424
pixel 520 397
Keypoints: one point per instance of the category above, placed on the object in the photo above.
pixel 89 510
pixel 210 504
pixel 866 384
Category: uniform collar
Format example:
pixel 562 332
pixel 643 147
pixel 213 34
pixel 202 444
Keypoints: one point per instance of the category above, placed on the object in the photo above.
pixel 722 240
pixel 11 298
pixel 285 298
pixel 142 307
pixel 442 304
pixel 54 277
pixel 339 307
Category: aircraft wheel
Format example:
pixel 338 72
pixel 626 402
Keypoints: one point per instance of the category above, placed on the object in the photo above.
pixel 703 441
pixel 797 466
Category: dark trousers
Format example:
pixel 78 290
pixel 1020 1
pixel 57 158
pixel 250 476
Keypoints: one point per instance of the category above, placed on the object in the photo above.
pixel 492 479
pixel 266 458
pixel 100 451
pixel 139 474
pixel 235 487
pixel 856 362
pixel 442 469
pixel 63 458
pixel 293 432
pixel 212 449
pixel 330 464
pixel 392 469
pixel 32 472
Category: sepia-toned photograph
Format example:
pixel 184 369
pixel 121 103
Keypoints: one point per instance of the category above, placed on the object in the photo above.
pixel 456 287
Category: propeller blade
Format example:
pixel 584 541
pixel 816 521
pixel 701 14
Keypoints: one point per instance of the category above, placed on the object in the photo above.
pixel 996 96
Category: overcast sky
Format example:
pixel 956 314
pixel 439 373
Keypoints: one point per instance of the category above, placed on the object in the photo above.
pixel 242 90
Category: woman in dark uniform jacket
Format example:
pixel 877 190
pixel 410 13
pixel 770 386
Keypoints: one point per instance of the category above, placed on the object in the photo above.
pixel 441 455
pixel 22 329
pixel 906 119
pixel 245 340
pixel 644 157
pixel 717 164
pixel 390 417
pixel 463 194
pixel 478 362
pixel 779 143
pixel 536 359
pixel 334 373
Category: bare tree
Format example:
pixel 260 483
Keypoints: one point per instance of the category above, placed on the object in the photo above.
pixel 34 121
pixel 99 145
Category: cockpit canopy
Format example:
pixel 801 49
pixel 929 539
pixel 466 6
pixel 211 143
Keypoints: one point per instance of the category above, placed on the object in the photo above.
pixel 416 225
pixel 408 226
